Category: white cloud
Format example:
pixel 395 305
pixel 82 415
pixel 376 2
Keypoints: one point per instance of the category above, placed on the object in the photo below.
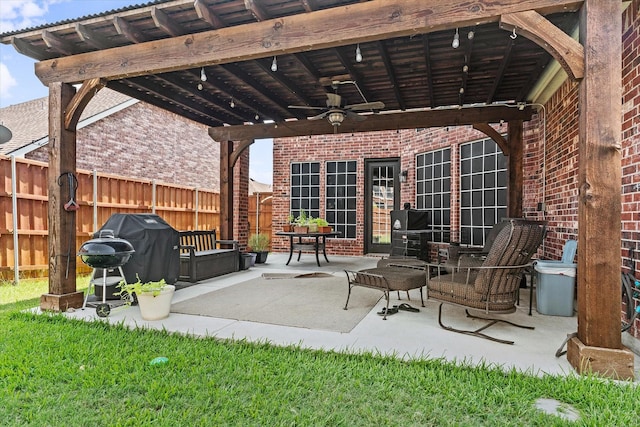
pixel 7 82
pixel 20 14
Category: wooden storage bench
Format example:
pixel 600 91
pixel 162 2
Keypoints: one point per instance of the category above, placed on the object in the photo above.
pixel 203 257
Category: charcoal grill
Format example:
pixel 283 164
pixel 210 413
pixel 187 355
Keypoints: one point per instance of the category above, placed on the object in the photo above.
pixel 105 252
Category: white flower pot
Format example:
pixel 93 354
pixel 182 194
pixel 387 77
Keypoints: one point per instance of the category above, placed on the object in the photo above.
pixel 156 307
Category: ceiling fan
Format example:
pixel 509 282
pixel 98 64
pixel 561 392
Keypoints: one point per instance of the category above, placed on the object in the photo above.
pixel 336 112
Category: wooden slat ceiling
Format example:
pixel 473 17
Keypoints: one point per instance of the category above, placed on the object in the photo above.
pixel 406 73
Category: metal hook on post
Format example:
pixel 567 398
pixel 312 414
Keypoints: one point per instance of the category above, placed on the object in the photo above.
pixel 513 35
pixel 71 205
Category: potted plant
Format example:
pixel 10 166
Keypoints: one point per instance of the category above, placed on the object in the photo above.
pixel 259 243
pixel 154 298
pixel 323 225
pixel 289 225
pixel 301 224
pixel 312 224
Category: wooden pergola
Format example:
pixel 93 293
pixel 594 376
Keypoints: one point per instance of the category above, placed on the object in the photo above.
pixel 158 53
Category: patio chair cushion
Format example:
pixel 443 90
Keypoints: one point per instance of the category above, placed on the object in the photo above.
pixel 399 278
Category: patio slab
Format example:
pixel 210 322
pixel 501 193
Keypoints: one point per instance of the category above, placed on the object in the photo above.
pixel 405 335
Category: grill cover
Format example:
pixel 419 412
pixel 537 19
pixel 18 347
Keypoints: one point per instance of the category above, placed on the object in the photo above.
pixel 155 243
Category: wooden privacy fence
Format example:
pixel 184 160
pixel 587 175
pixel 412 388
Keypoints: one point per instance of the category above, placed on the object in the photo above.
pixel 24 207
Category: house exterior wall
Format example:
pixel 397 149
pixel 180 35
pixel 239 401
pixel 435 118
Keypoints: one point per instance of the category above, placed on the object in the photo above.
pixel 631 132
pixel 550 159
pixel 336 147
pixel 144 141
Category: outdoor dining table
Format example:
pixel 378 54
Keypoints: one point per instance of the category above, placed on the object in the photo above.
pixel 318 243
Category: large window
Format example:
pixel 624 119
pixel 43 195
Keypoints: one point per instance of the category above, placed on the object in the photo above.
pixel 433 190
pixel 340 207
pixel 483 189
pixel 305 188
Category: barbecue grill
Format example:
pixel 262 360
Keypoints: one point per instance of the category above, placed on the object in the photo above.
pixel 105 252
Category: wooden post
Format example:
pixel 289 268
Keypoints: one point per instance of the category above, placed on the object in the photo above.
pixel 598 347
pixel 226 190
pixel 515 169
pixel 62 234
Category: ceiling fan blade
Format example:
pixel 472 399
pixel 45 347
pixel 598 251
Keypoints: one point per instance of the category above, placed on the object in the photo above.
pixel 377 105
pixel 355 116
pixel 319 116
pixel 306 107
pixel 333 100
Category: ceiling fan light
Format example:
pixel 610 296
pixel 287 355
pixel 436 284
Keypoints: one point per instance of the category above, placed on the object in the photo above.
pixel 336 117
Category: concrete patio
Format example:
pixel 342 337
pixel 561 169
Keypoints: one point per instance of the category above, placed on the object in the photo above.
pixel 405 334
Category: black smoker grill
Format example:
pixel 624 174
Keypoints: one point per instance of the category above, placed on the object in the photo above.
pixel 410 234
pixel 105 252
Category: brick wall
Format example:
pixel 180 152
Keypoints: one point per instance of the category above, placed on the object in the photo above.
pixel 338 147
pixel 631 131
pixel 144 141
pixel 403 144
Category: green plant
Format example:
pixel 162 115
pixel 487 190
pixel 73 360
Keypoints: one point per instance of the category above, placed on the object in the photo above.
pixel 259 242
pixel 321 222
pixel 291 219
pixel 302 219
pixel 128 289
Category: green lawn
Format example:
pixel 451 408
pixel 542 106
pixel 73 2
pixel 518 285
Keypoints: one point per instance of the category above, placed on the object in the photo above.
pixel 56 371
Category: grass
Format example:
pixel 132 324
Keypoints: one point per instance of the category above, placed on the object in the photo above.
pixel 58 371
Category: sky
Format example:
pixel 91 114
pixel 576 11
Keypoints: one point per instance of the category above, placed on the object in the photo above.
pixel 18 82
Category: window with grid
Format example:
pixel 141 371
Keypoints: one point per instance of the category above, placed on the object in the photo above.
pixel 483 189
pixel 340 203
pixel 305 188
pixel 433 190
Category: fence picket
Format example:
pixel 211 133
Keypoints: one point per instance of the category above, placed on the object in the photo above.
pixel 99 196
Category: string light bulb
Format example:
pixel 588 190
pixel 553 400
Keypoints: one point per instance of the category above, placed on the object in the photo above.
pixel 274 65
pixel 358 53
pixel 199 86
pixel 257 117
pixel 456 40
pixel 232 104
pixel 203 75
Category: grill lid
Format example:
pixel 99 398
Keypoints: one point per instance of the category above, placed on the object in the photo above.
pixel 106 251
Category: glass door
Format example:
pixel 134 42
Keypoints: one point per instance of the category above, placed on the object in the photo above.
pixel 382 195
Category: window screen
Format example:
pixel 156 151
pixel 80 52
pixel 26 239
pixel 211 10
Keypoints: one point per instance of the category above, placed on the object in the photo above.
pixel 483 189
pixel 305 188
pixel 340 206
pixel 433 190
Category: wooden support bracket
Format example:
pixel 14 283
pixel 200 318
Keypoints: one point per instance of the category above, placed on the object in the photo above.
pixel 80 100
pixel 568 52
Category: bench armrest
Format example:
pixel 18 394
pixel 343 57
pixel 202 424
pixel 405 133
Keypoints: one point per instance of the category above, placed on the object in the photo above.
pixel 190 248
pixel 234 243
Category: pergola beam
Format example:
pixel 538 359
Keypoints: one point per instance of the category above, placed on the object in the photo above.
pixel 378 20
pixel 374 122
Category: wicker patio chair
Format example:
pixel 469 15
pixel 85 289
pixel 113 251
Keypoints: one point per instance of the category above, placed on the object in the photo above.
pixel 493 286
